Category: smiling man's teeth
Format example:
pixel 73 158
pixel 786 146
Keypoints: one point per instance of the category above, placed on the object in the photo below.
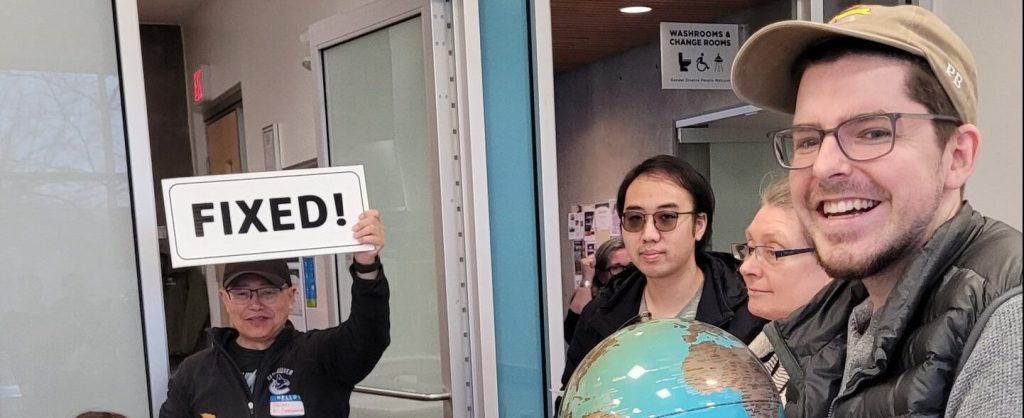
pixel 844 206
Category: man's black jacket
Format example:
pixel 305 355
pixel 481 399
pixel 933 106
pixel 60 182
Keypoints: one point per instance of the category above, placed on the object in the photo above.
pixel 723 303
pixel 320 366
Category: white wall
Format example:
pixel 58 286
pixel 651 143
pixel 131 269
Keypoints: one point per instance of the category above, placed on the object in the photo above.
pixel 257 44
pixel 993 32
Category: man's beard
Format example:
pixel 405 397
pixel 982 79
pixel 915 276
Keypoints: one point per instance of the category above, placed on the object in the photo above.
pixel 867 268
pixel 901 246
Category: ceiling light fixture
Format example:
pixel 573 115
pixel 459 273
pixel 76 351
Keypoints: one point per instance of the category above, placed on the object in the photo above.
pixel 635 9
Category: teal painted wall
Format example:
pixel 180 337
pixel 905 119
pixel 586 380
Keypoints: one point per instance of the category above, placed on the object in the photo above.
pixel 511 178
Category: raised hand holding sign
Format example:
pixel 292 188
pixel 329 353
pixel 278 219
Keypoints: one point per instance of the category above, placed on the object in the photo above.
pixel 239 217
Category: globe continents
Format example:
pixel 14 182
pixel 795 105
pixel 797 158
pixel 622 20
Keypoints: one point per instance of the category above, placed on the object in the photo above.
pixel 670 368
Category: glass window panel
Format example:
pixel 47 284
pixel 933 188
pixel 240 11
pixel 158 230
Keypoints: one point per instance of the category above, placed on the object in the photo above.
pixel 365 405
pixel 377 116
pixel 70 320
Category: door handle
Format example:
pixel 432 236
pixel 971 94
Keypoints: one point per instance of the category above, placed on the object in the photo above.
pixel 403 394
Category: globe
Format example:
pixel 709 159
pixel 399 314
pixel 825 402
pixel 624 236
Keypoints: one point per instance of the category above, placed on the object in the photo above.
pixel 670 368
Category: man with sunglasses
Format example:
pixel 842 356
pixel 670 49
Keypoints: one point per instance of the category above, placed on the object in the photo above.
pixel 666 208
pixel 263 367
pixel 924 317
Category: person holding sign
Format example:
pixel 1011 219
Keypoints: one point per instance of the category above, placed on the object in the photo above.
pixel 263 367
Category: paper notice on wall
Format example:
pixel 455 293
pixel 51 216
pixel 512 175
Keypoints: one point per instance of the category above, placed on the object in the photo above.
pixel 602 217
pixel 616 221
pixel 588 221
pixel 574 224
pixel 577 255
pixel 297 314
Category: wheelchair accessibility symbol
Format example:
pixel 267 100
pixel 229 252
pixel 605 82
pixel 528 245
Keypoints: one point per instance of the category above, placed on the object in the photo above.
pixel 701 65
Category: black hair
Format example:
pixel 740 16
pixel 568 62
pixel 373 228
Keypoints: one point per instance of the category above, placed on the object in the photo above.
pixel 684 175
pixel 922 85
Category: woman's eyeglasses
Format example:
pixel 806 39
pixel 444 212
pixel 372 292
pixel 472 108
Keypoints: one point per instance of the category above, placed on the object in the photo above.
pixel 616 269
pixel 742 251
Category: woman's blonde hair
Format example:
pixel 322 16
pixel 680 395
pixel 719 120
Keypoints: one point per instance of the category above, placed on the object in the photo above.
pixel 775 191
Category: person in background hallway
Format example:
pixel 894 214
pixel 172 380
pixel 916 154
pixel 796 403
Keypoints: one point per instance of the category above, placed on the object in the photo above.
pixel 780 268
pixel 598 269
pixel 666 208
pixel 924 315
pixel 263 367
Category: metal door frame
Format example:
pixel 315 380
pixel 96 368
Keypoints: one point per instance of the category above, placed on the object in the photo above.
pixel 458 337
pixel 143 199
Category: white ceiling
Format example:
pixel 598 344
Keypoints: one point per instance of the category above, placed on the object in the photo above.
pixel 165 11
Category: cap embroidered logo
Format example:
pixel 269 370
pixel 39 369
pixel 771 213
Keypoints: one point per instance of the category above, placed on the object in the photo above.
pixel 850 12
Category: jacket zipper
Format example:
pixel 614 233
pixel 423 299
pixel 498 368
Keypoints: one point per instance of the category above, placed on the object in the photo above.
pixel 847 389
pixel 245 386
pixel 832 405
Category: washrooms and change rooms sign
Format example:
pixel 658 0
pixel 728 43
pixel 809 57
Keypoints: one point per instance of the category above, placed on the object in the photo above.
pixel 255 216
pixel 697 56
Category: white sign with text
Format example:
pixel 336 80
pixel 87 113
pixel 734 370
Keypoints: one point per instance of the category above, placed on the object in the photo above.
pixel 257 216
pixel 697 56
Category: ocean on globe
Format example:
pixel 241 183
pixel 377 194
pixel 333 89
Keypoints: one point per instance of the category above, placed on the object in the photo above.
pixel 670 368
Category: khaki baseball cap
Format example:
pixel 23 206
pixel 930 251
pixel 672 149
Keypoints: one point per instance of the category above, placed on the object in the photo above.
pixel 762 72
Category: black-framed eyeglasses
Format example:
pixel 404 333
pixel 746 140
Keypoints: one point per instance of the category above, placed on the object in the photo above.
pixel 616 269
pixel 664 220
pixel 265 294
pixel 765 253
pixel 862 138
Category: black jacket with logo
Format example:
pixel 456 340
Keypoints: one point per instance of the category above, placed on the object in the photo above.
pixel 723 303
pixel 320 366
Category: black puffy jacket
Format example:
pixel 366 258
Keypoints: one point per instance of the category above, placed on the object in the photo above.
pixel 969 262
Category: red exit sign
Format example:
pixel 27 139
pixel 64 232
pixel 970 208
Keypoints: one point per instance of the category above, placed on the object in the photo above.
pixel 198 79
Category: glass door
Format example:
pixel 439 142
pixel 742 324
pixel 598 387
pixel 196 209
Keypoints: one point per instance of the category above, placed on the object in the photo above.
pixel 78 241
pixel 387 104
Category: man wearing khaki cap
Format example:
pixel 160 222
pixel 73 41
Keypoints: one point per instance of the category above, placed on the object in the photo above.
pixel 925 317
pixel 263 367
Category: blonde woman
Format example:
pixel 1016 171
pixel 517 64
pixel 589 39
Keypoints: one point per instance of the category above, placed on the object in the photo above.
pixel 780 269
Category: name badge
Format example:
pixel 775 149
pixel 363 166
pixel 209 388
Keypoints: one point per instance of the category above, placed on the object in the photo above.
pixel 286 406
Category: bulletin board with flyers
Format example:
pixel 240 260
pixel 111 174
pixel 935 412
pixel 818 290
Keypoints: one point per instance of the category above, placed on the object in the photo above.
pixel 590 225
